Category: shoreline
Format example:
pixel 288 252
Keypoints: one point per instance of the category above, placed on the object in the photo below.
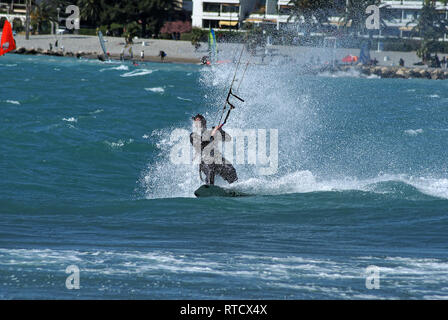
pixel 70 45
pixel 394 72
pixel 385 72
pixel 183 52
pixel 96 56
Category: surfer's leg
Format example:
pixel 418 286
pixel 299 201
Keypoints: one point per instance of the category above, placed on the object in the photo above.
pixel 212 177
pixel 209 171
pixel 228 172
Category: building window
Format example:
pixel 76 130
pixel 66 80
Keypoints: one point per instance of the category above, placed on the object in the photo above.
pixel 211 7
pixel 411 14
pixel 393 14
pixel 285 10
pixel 210 23
pixel 230 8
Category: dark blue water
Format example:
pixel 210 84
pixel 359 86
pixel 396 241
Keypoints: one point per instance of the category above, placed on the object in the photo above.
pixel 86 180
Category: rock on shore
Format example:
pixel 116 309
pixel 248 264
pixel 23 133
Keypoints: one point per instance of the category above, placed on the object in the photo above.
pixel 393 72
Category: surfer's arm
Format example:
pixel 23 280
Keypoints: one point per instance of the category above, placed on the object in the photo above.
pixel 224 135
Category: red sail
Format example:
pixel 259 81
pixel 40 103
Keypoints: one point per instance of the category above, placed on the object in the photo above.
pixel 7 44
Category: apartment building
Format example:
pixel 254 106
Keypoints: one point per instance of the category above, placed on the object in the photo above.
pixel 398 15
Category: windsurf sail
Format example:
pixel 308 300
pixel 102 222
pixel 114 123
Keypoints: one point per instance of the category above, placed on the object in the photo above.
pixel 103 46
pixel 7 42
pixel 212 46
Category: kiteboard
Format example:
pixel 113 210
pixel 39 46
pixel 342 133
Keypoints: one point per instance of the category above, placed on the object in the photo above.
pixel 207 190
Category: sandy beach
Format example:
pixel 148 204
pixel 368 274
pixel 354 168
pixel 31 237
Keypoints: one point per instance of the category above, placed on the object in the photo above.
pixel 183 51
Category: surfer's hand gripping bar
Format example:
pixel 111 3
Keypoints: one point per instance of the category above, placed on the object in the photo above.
pixel 230 104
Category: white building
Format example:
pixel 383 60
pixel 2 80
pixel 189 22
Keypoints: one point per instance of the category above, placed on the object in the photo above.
pixel 220 13
pixel 233 13
pixel 402 14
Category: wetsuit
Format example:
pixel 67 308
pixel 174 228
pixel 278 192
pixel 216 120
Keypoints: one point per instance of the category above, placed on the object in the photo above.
pixel 224 168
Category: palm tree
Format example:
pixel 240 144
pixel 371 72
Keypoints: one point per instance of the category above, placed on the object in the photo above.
pixel 90 10
pixel 45 10
pixel 149 13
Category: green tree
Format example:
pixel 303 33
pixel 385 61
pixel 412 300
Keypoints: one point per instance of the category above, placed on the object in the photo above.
pixel 90 10
pixel 46 11
pixel 430 27
pixel 149 13
pixel 198 35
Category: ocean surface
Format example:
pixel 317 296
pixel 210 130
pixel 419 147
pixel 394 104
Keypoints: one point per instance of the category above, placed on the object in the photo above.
pixel 87 180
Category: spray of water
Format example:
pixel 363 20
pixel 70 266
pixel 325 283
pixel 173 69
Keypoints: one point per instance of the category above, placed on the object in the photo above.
pixel 276 97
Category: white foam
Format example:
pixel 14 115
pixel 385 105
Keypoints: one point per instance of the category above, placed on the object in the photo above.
pixel 137 73
pixel 412 132
pixel 156 89
pixel 351 73
pixel 13 102
pixel 435 187
pixel 184 99
pixel 120 143
pixel 120 67
pixel 297 274
pixel 71 119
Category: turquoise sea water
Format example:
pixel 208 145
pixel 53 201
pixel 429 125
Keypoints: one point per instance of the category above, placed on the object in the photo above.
pixel 86 180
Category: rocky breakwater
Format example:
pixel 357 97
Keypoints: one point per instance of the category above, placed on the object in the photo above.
pixel 58 53
pixel 397 72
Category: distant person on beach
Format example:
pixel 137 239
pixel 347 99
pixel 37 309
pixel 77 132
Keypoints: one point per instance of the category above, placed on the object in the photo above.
pixel 51 46
pixel 437 61
pixel 56 44
pixel 401 62
pixel 122 54
pixel 443 62
pixel 162 55
pixel 142 55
